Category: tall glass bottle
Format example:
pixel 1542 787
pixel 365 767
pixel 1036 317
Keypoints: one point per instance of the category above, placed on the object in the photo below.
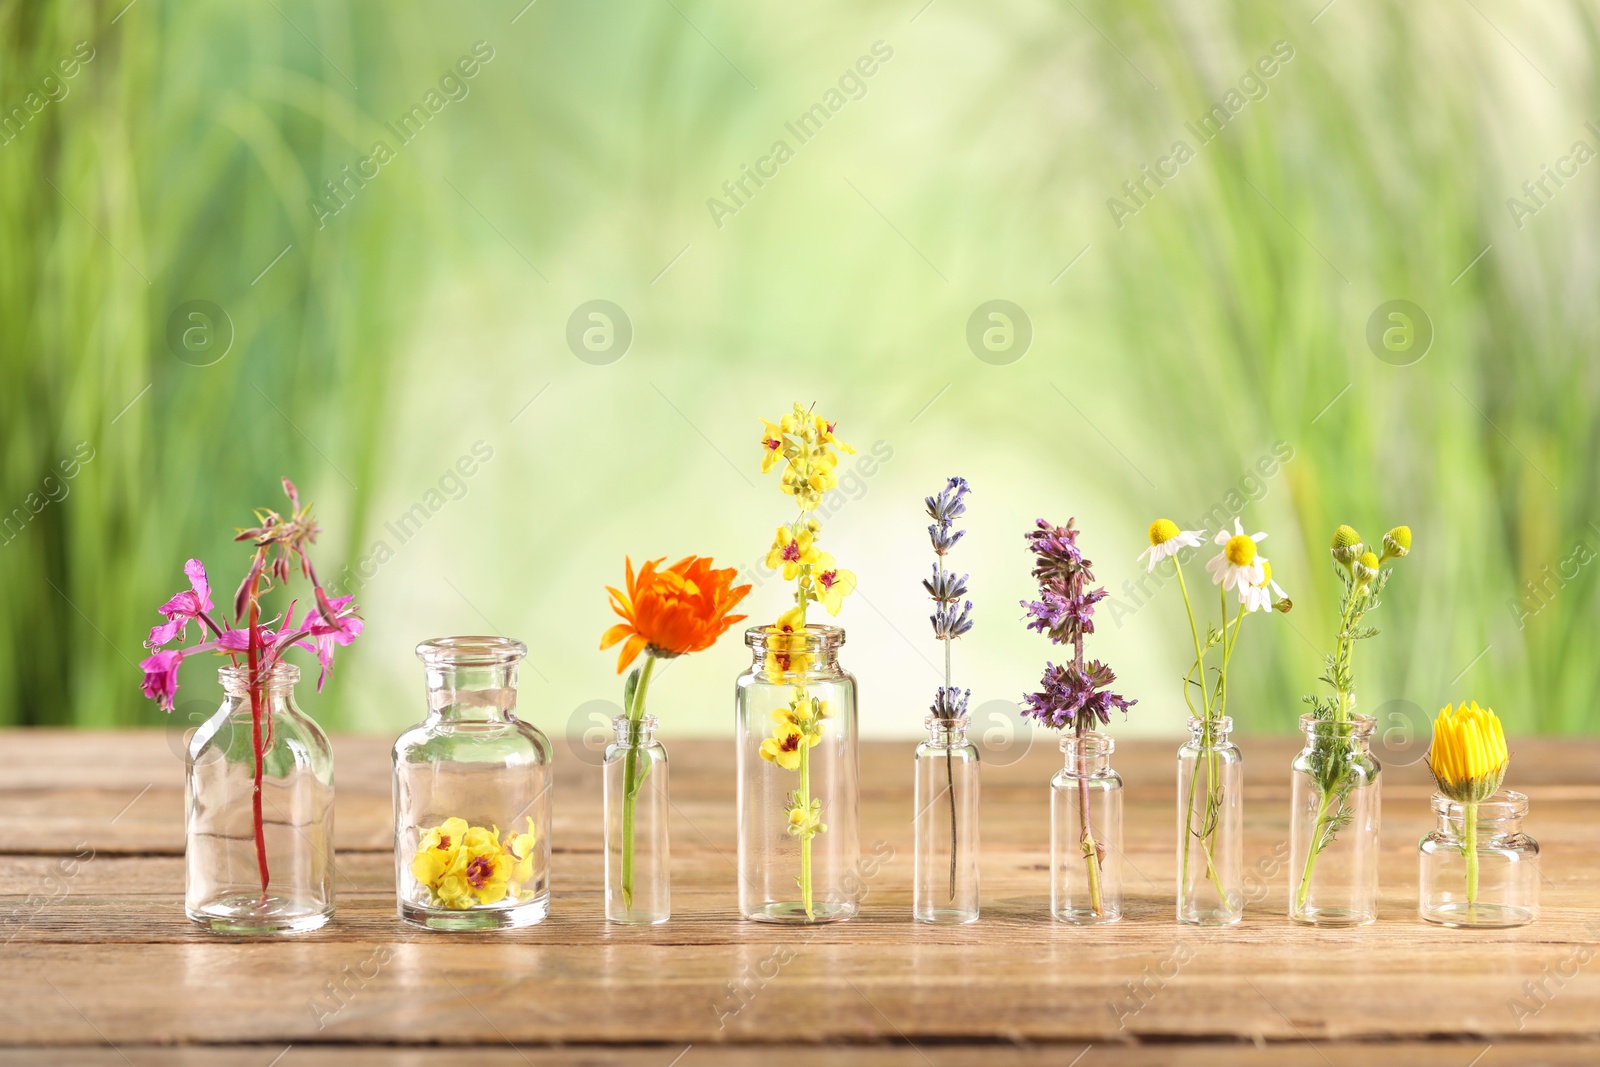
pixel 1086 833
pixel 799 791
pixel 1333 824
pixel 1210 825
pixel 472 795
pixel 258 811
pixel 945 882
pixel 638 860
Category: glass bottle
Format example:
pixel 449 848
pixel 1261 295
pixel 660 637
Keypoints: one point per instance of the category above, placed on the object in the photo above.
pixel 945 882
pixel 1333 824
pixel 638 882
pixel 799 792
pixel 259 828
pixel 1086 853
pixel 472 792
pixel 1503 890
pixel 1210 826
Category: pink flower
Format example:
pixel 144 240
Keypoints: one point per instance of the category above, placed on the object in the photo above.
pixel 340 627
pixel 190 604
pixel 161 677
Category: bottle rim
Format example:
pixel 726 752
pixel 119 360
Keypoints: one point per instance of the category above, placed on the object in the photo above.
pixel 815 638
pixel 1220 727
pixel 237 679
pixel 1360 726
pixel 471 651
pixel 1504 805
pixel 1095 744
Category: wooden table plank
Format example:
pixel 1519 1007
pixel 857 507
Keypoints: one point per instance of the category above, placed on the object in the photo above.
pixel 103 953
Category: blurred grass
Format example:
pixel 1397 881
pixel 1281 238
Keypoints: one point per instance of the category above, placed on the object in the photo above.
pixel 1225 316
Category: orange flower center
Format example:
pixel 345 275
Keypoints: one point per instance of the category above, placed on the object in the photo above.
pixel 444 841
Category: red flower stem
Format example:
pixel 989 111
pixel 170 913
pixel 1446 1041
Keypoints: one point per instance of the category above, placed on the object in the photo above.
pixel 256 737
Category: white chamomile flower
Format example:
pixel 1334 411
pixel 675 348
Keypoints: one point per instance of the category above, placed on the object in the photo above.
pixel 1265 594
pixel 1166 539
pixel 1237 562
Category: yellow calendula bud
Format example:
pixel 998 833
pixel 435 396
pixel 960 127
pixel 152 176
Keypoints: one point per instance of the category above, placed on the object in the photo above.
pixel 1468 756
pixel 1397 542
pixel 1366 568
pixel 1346 545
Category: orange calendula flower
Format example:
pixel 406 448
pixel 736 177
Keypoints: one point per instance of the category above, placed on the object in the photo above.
pixel 681 609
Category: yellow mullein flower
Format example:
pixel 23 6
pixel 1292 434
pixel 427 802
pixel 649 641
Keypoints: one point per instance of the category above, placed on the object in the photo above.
pixel 787 654
pixel 832 582
pixel 1468 755
pixel 520 848
pixel 792 551
pixel 436 851
pixel 824 432
pixel 783 747
pixel 771 445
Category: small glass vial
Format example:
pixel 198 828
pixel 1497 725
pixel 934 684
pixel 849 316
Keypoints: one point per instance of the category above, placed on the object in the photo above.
pixel 638 879
pixel 1333 826
pixel 798 779
pixel 1210 826
pixel 1086 833
pixel 472 792
pixel 945 884
pixel 1501 888
pixel 258 811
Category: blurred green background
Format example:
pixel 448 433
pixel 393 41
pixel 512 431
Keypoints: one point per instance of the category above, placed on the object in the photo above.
pixel 1199 347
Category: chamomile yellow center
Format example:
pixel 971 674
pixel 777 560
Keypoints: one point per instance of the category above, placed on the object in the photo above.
pixel 1369 559
pixel 1162 531
pixel 1240 550
pixel 1345 536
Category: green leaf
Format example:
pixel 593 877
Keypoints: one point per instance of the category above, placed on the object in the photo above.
pixel 629 687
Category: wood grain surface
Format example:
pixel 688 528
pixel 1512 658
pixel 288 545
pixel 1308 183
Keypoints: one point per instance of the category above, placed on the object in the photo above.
pixel 101 967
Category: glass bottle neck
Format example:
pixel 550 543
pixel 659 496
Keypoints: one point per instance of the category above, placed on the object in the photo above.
pixel 636 733
pixel 1356 731
pixel 946 733
pixel 1088 756
pixel 782 651
pixel 1209 733
pixel 472 694
pixel 1498 817
pixel 272 691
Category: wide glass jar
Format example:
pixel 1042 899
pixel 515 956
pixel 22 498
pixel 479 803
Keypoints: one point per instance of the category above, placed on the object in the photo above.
pixel 258 811
pixel 472 795
pixel 1086 832
pixel 638 858
pixel 1335 807
pixel 1480 870
pixel 945 877
pixel 798 779
pixel 1210 825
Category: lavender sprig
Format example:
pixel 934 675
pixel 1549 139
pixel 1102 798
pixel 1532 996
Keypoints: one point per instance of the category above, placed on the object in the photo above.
pixel 951 617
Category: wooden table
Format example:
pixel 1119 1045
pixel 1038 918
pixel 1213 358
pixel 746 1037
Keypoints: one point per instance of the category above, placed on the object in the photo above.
pixel 99 966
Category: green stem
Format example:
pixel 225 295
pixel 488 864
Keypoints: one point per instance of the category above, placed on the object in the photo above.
pixel 805 837
pixel 1311 855
pixel 1471 813
pixel 631 780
